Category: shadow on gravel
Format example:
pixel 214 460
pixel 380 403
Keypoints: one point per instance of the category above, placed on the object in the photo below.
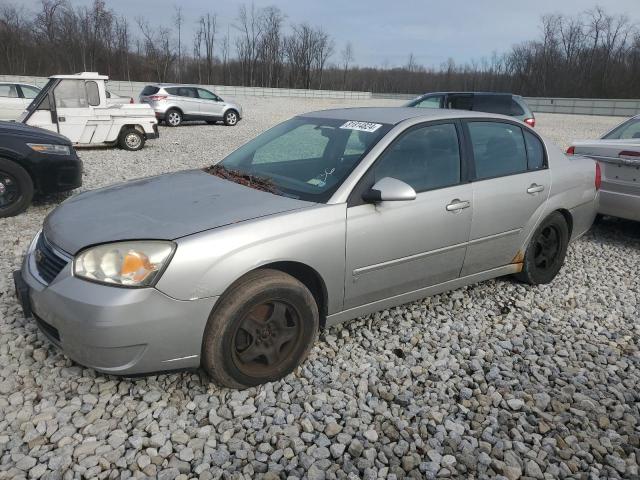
pixel 611 230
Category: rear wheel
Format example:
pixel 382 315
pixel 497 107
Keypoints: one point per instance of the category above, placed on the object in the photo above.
pixel 16 188
pixel 231 118
pixel 546 251
pixel 131 139
pixel 173 118
pixel 260 331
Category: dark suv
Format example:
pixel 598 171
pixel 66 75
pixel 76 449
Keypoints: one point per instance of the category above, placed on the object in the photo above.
pixel 34 160
pixel 502 103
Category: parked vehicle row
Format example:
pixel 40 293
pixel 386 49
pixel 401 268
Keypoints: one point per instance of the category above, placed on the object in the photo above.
pixel 326 217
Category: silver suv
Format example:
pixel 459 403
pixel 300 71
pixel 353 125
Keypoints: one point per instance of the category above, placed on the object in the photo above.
pixel 177 103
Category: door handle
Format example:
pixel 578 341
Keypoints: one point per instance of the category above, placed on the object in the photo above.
pixel 457 205
pixel 534 188
pixel 62 119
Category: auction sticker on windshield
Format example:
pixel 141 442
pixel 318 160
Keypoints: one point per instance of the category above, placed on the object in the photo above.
pixel 362 126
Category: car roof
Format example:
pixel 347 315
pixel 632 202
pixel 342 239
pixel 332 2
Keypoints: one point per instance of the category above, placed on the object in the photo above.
pixel 395 115
pixel 83 76
pixel 20 83
pixel 471 92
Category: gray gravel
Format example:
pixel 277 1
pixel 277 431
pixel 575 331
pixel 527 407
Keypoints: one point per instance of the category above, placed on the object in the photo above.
pixel 497 379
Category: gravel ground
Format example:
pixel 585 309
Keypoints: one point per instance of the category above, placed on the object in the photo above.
pixel 497 379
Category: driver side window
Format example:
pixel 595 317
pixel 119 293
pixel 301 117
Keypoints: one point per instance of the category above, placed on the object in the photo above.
pixel 425 158
pixel 207 95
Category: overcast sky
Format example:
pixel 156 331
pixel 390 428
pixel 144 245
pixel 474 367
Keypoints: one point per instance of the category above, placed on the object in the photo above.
pixel 384 32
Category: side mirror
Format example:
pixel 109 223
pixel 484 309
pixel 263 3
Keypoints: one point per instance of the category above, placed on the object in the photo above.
pixel 389 190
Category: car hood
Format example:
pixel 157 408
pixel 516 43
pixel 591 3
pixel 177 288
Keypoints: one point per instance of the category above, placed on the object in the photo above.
pixel 165 207
pixel 27 131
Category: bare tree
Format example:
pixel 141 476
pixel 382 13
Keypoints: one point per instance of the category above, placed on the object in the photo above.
pixel 178 18
pixel 347 58
pixel 250 25
pixel 208 29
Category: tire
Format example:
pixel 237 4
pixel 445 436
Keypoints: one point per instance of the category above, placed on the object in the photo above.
pixel 131 139
pixel 16 188
pixel 231 118
pixel 546 251
pixel 173 117
pixel 260 331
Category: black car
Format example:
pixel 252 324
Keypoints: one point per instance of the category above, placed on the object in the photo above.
pixel 34 160
pixel 501 103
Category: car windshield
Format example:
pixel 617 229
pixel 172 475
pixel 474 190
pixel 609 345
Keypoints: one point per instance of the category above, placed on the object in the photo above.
pixel 305 158
pixel 628 130
pixel 42 93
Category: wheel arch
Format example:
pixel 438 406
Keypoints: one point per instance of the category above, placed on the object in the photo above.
pixel 134 126
pixel 231 109
pixel 21 161
pixel 306 275
pixel 568 218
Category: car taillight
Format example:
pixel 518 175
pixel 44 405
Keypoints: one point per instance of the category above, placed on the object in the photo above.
pixel 571 150
pixel 157 97
pixel 530 121
pixel 131 100
pixel 598 180
pixel 629 153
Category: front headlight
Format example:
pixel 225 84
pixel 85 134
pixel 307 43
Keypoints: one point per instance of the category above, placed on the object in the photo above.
pixel 49 148
pixel 131 264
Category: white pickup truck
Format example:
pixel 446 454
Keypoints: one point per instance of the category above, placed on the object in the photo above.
pixel 76 106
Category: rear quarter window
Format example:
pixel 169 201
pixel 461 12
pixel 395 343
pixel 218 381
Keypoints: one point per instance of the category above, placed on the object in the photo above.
pixel 150 90
pixel 535 151
pixel 516 109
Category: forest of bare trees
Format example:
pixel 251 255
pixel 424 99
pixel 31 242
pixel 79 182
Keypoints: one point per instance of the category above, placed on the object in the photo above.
pixel 593 54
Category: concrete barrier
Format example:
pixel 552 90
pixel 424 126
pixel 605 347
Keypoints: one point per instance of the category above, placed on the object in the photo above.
pixel 585 106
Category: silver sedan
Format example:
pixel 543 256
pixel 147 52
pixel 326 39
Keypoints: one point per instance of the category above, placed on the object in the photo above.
pixel 618 153
pixel 326 217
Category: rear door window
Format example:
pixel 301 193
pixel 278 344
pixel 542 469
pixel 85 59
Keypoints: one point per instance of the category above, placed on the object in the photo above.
pixel 70 94
pixel 187 92
pixel 426 158
pixel 460 102
pixel 498 149
pixel 500 104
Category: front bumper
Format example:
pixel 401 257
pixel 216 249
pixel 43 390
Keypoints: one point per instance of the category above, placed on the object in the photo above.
pixel 154 134
pixel 123 331
pixel 56 173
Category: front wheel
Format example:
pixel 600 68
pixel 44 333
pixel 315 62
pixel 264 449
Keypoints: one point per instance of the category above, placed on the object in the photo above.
pixel 260 331
pixel 231 118
pixel 546 251
pixel 16 188
pixel 131 139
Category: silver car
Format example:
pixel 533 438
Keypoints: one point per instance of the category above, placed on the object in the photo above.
pixel 177 103
pixel 326 217
pixel 618 153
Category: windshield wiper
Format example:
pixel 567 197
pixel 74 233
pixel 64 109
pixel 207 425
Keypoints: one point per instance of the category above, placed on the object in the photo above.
pixel 242 178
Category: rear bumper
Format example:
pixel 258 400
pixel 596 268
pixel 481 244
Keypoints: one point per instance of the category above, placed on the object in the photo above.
pixel 120 331
pixel 153 135
pixel 618 204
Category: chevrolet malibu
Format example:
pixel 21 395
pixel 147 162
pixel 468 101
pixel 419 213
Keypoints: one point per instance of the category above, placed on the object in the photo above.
pixel 326 217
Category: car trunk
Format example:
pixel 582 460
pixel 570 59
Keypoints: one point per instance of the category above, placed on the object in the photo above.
pixel 619 161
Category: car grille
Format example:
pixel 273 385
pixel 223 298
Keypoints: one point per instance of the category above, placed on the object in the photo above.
pixel 48 262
